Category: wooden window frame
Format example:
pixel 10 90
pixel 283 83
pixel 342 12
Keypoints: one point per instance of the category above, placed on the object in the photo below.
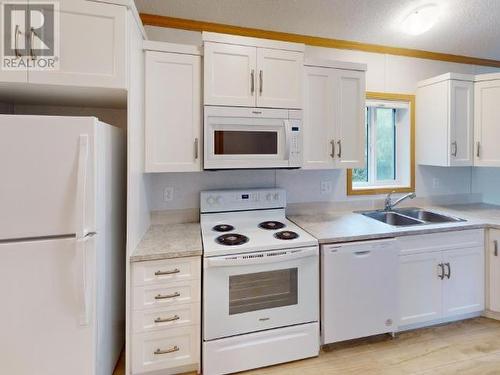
pixel 410 99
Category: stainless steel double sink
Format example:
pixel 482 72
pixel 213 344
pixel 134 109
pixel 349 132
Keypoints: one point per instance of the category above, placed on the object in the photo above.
pixel 410 216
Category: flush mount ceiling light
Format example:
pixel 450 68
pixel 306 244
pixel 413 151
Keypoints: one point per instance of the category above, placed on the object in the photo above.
pixel 420 19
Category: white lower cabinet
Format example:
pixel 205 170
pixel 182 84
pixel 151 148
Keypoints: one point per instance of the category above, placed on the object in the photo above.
pixel 166 334
pixel 420 289
pixel 441 276
pixel 493 249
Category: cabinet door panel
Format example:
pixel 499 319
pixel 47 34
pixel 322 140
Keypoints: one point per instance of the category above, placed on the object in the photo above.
pixel 420 288
pixel 486 123
pixel 494 270
pixel 349 119
pixel 461 122
pixel 464 285
pixel 92 47
pixel 173 112
pixel 279 78
pixel 229 70
pixel 318 118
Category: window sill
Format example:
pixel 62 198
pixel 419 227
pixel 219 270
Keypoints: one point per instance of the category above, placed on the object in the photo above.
pixel 372 190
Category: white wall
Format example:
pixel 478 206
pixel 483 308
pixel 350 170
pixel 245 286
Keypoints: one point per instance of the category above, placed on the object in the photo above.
pixel 386 73
pixel 487 182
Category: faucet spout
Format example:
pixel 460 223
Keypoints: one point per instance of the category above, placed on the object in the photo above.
pixel 389 204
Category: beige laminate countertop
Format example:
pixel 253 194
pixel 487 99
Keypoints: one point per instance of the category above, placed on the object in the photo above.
pixel 336 226
pixel 165 241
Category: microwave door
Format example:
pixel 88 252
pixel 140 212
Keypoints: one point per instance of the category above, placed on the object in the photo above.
pixel 246 143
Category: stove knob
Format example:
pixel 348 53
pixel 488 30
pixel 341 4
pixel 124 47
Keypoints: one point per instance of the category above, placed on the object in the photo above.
pixel 269 197
pixel 210 200
pixel 218 200
pixel 276 196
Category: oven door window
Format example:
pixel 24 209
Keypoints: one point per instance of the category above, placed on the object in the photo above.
pixel 235 142
pixel 262 290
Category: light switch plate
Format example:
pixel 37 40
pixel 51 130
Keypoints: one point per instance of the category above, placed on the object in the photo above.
pixel 168 194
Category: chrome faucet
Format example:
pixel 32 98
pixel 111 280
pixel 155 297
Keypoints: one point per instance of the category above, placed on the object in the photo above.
pixel 389 205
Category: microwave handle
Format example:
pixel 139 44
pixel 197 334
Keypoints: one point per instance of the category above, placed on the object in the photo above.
pixel 240 261
pixel 288 138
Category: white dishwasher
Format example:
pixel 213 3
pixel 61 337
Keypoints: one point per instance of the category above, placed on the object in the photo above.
pixel 359 289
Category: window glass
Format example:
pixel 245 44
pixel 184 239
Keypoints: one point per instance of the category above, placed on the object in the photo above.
pixel 386 143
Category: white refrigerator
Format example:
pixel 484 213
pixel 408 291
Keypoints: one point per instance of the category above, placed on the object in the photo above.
pixel 62 245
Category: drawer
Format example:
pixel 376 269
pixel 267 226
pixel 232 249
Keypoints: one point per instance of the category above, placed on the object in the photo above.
pixel 175 347
pixel 158 271
pixel 443 241
pixel 168 317
pixel 153 296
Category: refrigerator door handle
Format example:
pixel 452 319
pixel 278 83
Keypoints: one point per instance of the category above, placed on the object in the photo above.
pixel 81 183
pixel 83 283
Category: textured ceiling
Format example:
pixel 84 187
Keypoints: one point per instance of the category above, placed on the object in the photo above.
pixel 466 27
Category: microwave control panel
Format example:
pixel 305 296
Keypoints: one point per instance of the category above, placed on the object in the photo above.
pixel 295 156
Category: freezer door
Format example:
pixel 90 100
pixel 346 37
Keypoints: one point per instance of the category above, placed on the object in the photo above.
pixel 47 182
pixel 42 290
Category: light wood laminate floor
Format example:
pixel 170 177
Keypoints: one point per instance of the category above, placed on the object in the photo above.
pixel 466 347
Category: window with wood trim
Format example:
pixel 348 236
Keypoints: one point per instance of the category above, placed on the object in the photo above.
pixel 389 148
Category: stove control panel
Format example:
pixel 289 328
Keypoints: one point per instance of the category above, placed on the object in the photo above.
pixel 237 200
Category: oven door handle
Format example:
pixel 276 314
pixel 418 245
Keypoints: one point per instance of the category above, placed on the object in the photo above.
pixel 240 260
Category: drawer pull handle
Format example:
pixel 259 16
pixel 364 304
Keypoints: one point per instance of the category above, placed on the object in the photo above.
pixel 495 248
pixel 170 319
pixel 448 275
pixel 171 350
pixel 170 272
pixel 441 275
pixel 173 295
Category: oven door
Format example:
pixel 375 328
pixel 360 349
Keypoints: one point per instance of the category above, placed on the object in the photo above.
pixel 246 138
pixel 252 292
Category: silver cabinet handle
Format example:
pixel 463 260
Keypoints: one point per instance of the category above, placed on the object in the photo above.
pixel 171 350
pixel 339 143
pixel 32 41
pixel 173 295
pixel 252 81
pixel 261 81
pixel 332 142
pixel 169 272
pixel 448 275
pixel 170 319
pixel 495 248
pixel 455 149
pixel 17 32
pixel 441 275
pixel 478 148
pixel 196 148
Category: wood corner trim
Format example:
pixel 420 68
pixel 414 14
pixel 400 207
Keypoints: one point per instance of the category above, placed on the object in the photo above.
pixel 193 25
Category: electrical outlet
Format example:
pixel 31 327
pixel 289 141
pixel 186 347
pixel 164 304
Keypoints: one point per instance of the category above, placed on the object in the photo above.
pixel 326 187
pixel 435 183
pixel 168 194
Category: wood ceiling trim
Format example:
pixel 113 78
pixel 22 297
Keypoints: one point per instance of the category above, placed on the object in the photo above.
pixel 193 25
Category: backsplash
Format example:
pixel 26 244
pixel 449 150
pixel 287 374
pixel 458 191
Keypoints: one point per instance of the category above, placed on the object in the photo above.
pixel 302 186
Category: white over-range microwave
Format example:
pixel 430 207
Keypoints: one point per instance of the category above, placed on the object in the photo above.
pixel 249 138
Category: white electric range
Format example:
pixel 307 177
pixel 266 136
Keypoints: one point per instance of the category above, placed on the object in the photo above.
pixel 261 282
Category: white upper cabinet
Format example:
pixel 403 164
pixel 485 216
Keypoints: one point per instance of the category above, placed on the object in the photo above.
pixel 279 78
pixel 92 48
pixel 445 118
pixel 487 120
pixel 250 72
pixel 349 118
pixel 229 74
pixel 334 105
pixel 173 110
